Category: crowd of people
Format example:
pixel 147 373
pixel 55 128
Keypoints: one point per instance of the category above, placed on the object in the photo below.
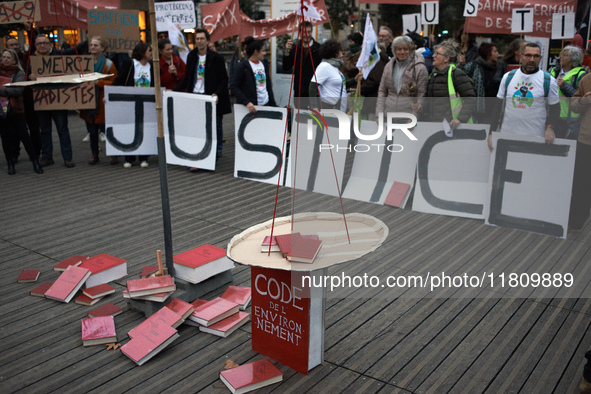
pixel 455 80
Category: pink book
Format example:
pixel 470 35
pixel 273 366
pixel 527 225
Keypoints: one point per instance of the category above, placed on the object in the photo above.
pixel 68 283
pixel 268 241
pixel 227 326
pixel 213 311
pixel 180 307
pixel 397 194
pixel 149 342
pixel 74 260
pixel 104 268
pixel 238 294
pixel 98 330
pixel 251 376
pixel 99 291
pixel 153 285
pixel 164 316
pixel 199 256
pixel 105 310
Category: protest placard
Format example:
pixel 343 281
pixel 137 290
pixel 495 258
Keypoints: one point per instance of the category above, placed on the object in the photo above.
pixel 178 13
pixel 119 27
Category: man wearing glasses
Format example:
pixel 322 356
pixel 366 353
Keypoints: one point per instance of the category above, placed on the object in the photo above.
pixel 43 47
pixel 531 98
pixel 385 38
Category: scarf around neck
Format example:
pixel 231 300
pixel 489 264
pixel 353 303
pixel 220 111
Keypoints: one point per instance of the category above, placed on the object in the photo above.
pixel 338 63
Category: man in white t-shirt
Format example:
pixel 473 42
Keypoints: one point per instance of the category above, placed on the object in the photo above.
pixel 530 98
pixel 206 74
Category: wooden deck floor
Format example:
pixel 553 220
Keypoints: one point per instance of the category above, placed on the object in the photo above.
pixel 375 342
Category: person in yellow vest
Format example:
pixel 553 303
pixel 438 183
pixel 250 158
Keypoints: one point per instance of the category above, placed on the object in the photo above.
pixel 568 74
pixel 450 91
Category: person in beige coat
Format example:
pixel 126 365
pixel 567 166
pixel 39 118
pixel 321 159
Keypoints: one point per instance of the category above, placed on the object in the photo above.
pixel 404 81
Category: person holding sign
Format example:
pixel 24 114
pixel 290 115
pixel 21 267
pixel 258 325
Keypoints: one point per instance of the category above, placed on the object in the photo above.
pixel 95 118
pixel 524 92
pixel 139 73
pixel 60 117
pixel 581 194
pixel 445 84
pixel 13 126
pixel 568 75
pixel 206 74
pixel 302 59
pixel 252 81
pixel 172 67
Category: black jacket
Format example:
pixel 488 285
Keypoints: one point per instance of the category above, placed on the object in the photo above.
pixel 438 104
pixel 125 76
pixel 216 78
pixel 310 61
pixel 244 85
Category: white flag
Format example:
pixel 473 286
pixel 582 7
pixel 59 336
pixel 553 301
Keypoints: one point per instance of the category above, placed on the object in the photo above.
pixel 178 40
pixel 369 52
pixel 309 11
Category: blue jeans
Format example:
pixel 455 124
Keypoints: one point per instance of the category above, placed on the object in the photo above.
pixel 60 117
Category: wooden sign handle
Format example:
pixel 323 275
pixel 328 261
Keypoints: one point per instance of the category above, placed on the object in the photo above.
pixel 160 266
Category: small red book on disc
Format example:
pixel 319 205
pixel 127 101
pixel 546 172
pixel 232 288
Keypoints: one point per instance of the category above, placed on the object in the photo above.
pixel 251 376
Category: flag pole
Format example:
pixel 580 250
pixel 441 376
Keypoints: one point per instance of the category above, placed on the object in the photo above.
pixel 161 149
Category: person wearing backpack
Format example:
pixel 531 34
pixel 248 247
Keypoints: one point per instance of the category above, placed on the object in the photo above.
pixel 530 98
pixel 568 74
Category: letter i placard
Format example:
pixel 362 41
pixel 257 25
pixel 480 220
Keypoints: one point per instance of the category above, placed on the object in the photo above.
pixel 282 328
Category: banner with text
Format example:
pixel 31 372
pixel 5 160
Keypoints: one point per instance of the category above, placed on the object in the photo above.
pixel 120 27
pixel 495 17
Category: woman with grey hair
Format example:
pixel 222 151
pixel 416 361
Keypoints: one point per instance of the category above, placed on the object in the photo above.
pixel 404 81
pixel 568 74
pixel 450 91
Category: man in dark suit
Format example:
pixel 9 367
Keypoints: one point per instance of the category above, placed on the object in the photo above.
pixel 206 74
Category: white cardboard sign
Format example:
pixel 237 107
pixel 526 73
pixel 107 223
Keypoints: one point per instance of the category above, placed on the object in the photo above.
pixel 471 8
pixel 178 13
pixel 452 173
pixel 411 23
pixel 315 170
pixel 190 129
pixel 430 12
pixel 259 143
pixel 374 172
pixel 563 26
pixel 531 184
pixel 130 117
pixel 522 20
